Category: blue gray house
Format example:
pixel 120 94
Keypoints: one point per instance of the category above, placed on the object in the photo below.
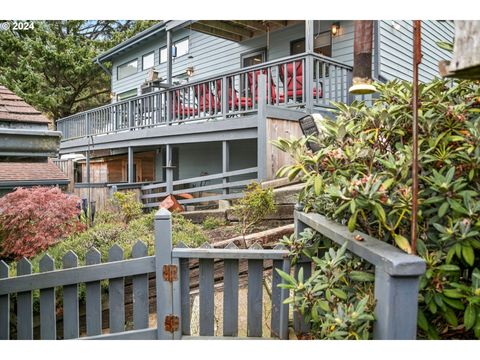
pixel 196 103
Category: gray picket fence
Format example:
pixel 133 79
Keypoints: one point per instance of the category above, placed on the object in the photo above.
pixel 396 289
pixel 172 291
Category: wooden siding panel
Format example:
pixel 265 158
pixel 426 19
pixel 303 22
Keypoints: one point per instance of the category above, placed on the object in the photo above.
pixel 396 48
pixel 205 50
pixel 277 128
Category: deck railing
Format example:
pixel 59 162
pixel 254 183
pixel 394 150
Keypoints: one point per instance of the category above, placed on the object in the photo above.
pixel 304 80
pixel 213 187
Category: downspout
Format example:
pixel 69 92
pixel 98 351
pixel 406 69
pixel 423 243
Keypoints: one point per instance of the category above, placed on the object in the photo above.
pixel 103 67
pixel 376 51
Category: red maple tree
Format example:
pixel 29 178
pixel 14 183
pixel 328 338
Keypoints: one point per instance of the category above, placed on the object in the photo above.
pixel 32 219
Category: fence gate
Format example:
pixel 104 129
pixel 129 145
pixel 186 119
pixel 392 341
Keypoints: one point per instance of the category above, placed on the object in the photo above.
pixel 129 291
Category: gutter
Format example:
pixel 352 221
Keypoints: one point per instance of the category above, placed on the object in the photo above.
pixel 13 184
pixel 133 40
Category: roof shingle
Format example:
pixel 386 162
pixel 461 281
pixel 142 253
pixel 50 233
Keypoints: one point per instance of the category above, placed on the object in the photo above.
pixel 13 108
pixel 23 171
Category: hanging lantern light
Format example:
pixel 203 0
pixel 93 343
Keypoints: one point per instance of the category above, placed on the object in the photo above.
pixel 335 28
pixel 362 59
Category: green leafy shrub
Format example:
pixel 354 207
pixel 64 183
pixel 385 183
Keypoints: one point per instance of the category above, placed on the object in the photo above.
pixel 361 177
pixel 253 207
pixel 211 223
pixel 337 300
pixel 127 205
pixel 184 230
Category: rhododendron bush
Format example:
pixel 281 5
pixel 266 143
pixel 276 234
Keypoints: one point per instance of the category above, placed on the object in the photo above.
pixel 32 219
pixel 361 177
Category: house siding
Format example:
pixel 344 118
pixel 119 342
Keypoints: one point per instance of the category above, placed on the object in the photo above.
pixel 396 48
pixel 213 55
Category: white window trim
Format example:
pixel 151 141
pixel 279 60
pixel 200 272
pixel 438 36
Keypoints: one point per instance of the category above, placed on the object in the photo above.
pixel 153 62
pixel 125 63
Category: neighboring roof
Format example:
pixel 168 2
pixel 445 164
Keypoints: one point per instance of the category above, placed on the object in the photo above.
pixel 14 109
pixel 26 172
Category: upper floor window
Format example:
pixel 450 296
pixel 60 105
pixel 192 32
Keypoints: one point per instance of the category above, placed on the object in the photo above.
pixel 322 44
pixel 297 46
pixel 253 58
pixel 163 55
pixel 148 61
pixel 181 47
pixel 127 69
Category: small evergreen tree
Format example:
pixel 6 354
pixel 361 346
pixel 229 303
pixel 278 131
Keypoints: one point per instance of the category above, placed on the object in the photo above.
pixel 253 207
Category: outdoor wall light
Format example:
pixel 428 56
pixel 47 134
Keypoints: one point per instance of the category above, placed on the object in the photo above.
pixel 189 71
pixel 335 28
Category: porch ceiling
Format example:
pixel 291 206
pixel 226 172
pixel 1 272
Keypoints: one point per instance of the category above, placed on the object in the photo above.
pixel 240 30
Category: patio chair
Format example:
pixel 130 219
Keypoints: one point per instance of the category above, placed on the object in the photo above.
pixel 253 85
pixel 234 100
pixel 293 88
pixel 206 100
pixel 179 109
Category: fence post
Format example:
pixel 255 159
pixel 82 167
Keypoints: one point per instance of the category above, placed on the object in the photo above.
pixel 299 325
pixel 167 321
pixel 262 128
pixel 396 306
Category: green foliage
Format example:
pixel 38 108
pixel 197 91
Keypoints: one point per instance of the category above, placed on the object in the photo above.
pixel 126 205
pixel 211 223
pixel 186 231
pixel 52 67
pixel 361 177
pixel 337 299
pixel 255 205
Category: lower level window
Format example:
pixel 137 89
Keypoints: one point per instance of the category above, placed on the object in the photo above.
pixel 126 94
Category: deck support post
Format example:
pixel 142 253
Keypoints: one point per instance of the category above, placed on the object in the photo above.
pixel 262 128
pixel 225 163
pixel 130 177
pixel 308 73
pixel 169 168
pixel 169 57
pixel 87 165
pixel 309 31
pixel 169 77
